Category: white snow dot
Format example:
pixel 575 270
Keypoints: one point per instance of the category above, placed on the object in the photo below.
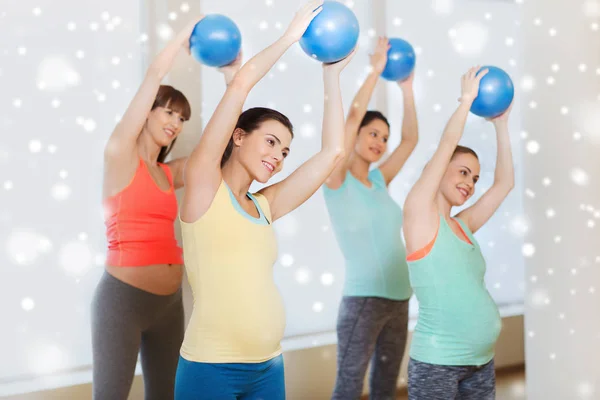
pixel 37 11
pixel 8 185
pixel 528 249
pixel 317 306
pixel 172 16
pixel 71 26
pixel 327 279
pixel 89 125
pixel 550 213
pixel 17 103
pixel 287 260
pixel 533 147
pixel 27 304
pixel 185 7
pixel 35 146
pixel 579 176
pixel 546 181
pixel 527 83
pixel 302 275
pixel 61 191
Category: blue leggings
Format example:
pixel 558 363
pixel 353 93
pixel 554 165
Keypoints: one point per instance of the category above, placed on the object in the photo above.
pixel 230 381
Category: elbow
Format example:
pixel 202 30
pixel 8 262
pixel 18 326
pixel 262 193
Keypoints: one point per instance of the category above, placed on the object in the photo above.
pixel 240 85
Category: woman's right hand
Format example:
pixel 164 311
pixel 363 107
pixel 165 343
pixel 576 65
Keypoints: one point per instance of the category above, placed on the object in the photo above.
pixel 303 18
pixel 185 34
pixel 379 56
pixel 470 84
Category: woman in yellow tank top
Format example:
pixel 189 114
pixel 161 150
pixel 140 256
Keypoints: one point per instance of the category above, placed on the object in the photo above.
pixel 232 347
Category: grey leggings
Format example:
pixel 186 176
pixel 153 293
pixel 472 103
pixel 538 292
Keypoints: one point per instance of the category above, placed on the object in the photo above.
pixel 444 382
pixel 125 320
pixel 370 329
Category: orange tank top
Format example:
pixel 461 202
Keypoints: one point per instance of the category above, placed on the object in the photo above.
pixel 140 222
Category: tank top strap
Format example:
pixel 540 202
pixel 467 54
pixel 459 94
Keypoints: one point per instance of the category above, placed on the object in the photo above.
pixel 264 205
pixel 167 170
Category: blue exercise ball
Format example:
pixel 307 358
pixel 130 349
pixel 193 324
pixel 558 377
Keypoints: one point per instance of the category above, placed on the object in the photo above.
pixel 400 60
pixel 216 41
pixel 332 34
pixel 496 92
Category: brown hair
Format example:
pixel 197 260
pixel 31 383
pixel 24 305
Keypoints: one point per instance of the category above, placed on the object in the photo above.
pixel 371 116
pixel 250 120
pixel 463 150
pixel 172 98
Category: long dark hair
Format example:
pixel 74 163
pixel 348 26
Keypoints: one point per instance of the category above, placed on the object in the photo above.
pixel 172 98
pixel 250 120
pixel 371 116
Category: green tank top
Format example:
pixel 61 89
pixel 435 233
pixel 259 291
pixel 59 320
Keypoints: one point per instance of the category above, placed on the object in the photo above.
pixel 458 321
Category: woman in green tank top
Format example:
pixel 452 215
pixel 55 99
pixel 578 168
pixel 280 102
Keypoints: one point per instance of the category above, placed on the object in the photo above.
pixel 452 350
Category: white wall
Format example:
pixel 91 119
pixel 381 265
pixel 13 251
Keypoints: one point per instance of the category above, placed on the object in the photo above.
pixel 58 65
pixel 563 274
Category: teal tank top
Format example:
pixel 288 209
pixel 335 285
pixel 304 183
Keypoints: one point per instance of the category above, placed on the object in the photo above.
pixel 458 321
pixel 367 224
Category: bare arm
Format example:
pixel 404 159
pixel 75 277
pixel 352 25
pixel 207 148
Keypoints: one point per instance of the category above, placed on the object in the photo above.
pixel 410 134
pixel 504 180
pixel 420 214
pixel 177 165
pixel 122 141
pixel 290 193
pixel 202 173
pixel 358 109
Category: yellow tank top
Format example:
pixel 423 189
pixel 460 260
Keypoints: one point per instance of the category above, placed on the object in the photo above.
pixel 238 314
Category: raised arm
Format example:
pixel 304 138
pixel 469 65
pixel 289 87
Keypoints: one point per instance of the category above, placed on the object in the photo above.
pixel 504 179
pixel 290 193
pixel 122 141
pixel 420 207
pixel 410 133
pixel 202 174
pixel 357 111
pixel 177 165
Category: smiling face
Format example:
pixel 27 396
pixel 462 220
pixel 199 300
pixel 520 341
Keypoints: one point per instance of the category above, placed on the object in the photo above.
pixel 165 120
pixel 372 139
pixel 164 124
pixel 263 150
pixel 458 183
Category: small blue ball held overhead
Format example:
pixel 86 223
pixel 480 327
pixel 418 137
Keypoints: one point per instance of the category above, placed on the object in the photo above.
pixel 400 60
pixel 332 34
pixel 496 92
pixel 216 41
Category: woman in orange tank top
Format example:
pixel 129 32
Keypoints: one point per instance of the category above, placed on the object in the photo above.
pixel 137 306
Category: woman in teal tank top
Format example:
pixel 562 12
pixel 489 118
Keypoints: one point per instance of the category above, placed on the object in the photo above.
pixel 373 317
pixel 452 350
